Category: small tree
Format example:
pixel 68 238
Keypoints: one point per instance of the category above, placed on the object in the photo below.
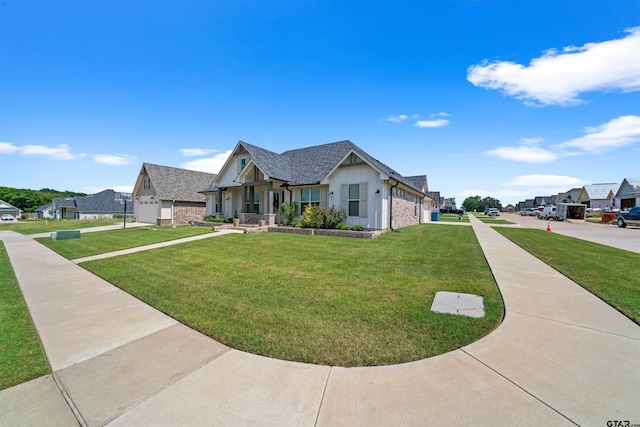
pixel 288 211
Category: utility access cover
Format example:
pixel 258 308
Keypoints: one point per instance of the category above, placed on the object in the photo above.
pixel 461 304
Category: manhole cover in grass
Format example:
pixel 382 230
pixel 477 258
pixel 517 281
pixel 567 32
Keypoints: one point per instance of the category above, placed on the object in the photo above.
pixel 456 303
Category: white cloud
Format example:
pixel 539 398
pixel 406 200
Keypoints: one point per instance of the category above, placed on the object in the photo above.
pixel 562 182
pixel 61 152
pixel 208 164
pixel 441 114
pixel 528 151
pixel 194 152
pixel 114 159
pixel 559 78
pixel 397 119
pixel 432 123
pixel 619 132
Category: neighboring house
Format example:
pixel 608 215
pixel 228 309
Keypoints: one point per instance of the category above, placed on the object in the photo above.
pixel 104 204
pixel 598 196
pixel 435 195
pixel 530 203
pixel 509 208
pixel 6 208
pixel 254 182
pixel 543 201
pixel 43 211
pixel 165 195
pixel 628 194
pixel 570 196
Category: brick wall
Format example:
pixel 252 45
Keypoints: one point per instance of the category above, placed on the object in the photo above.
pixel 183 212
pixel 405 212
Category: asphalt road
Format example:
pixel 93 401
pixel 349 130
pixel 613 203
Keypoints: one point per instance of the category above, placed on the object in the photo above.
pixel 611 235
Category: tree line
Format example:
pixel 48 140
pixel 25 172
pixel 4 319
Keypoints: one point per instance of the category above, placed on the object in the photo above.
pixel 476 203
pixel 30 200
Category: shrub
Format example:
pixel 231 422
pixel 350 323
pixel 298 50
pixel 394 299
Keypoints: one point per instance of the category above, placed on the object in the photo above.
pixel 357 227
pixel 321 217
pixel 343 227
pixel 212 218
pixel 296 223
pixel 288 211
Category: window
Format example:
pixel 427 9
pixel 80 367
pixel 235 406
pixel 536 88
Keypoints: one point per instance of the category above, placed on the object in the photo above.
pixel 147 183
pixel 241 164
pixel 309 196
pixel 354 200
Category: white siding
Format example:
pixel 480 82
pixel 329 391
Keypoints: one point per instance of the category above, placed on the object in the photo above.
pixel 361 174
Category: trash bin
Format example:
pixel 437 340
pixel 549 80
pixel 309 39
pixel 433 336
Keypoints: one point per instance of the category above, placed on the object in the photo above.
pixel 434 216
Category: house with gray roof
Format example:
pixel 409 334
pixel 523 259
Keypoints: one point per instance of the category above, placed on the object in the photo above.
pixel 254 182
pixel 9 209
pixel 598 196
pixel 105 204
pixel 165 195
pixel 628 194
pixel 570 196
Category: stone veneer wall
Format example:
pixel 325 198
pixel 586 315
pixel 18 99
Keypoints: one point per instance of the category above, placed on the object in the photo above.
pixel 405 212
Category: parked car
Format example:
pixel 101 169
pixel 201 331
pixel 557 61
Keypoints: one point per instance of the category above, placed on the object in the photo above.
pixel 493 212
pixel 528 212
pixel 549 212
pixel 625 218
pixel 7 217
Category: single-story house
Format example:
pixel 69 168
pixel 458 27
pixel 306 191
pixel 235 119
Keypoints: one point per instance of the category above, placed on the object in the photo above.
pixel 628 194
pixel 6 208
pixel 43 211
pixel 544 201
pixel 165 195
pixel 598 196
pixel 104 204
pixel 509 208
pixel 254 182
pixel 570 196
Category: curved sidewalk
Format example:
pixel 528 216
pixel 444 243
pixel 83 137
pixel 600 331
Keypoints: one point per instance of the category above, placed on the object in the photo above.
pixel 561 357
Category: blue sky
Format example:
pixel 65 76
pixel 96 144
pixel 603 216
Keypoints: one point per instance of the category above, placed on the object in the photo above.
pixel 508 99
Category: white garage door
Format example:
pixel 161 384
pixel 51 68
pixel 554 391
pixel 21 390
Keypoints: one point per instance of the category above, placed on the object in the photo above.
pixel 147 212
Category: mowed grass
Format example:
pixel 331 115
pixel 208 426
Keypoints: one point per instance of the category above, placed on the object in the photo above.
pixel 21 355
pixel 492 219
pixel 449 217
pixel 611 274
pixel 47 226
pixel 318 299
pixel 113 240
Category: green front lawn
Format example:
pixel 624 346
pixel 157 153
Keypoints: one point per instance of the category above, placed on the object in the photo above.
pixel 318 299
pixel 48 226
pixel 21 355
pixel 609 273
pixel 448 217
pixel 492 219
pixel 113 240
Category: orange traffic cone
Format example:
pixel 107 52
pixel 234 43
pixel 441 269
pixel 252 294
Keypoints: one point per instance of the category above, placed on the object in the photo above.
pixel 549 226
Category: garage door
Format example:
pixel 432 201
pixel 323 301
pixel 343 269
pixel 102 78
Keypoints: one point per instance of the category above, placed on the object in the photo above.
pixel 147 212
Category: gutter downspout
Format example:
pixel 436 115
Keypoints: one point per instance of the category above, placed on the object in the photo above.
pixel 391 203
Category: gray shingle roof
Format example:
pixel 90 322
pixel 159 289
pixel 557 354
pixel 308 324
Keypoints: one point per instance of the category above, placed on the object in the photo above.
pixel 599 191
pixel 107 201
pixel 178 184
pixel 308 166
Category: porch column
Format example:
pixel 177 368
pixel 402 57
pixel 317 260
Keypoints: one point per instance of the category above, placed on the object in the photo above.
pixel 243 202
pixel 252 192
pixel 269 209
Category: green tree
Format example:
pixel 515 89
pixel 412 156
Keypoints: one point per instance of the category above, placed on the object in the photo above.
pixel 489 202
pixel 471 203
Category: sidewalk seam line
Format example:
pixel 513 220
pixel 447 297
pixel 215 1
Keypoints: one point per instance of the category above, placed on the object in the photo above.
pixel 324 391
pixel 520 387
pixel 573 324
pixel 70 402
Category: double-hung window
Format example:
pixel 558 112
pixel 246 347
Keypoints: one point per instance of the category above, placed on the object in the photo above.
pixel 309 197
pixel 354 199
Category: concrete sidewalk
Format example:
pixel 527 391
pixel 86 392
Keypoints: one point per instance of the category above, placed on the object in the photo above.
pixel 561 357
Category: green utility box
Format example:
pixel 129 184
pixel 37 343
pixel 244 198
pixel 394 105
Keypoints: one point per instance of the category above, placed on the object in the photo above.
pixel 65 235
